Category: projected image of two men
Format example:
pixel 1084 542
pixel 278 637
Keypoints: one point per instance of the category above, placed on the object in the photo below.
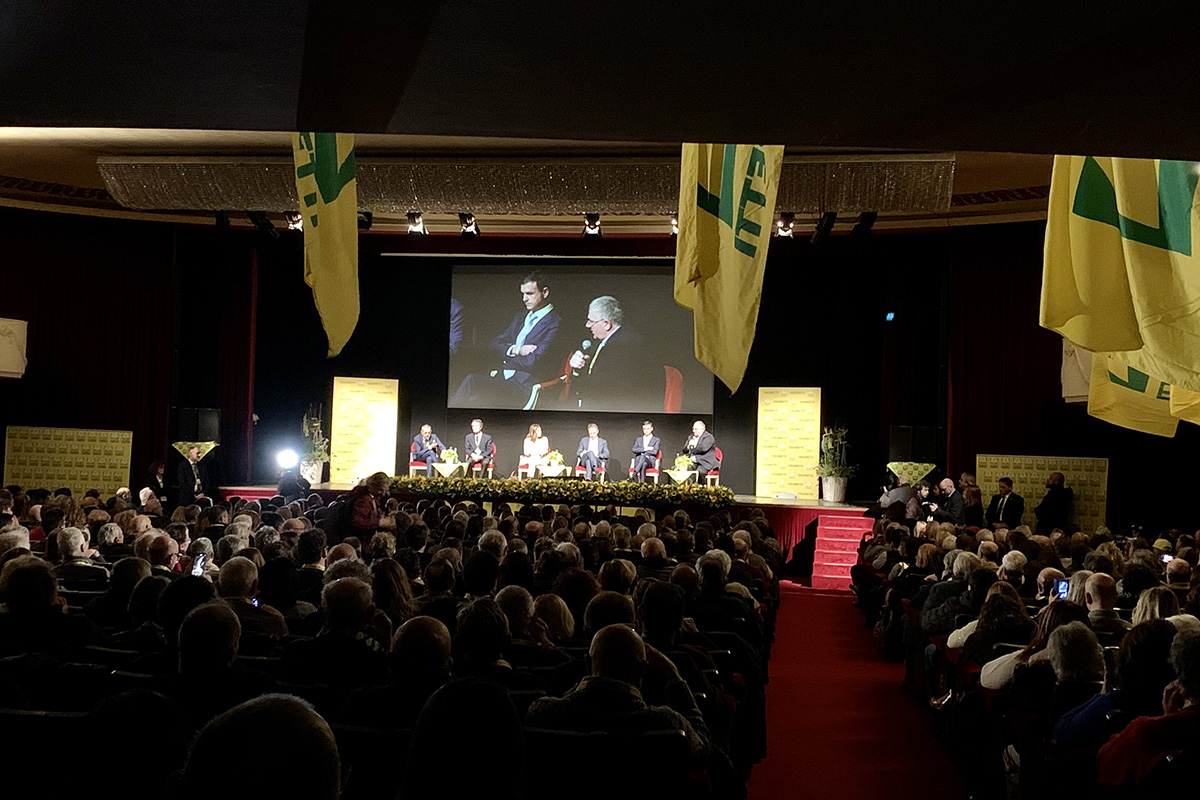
pixel 573 338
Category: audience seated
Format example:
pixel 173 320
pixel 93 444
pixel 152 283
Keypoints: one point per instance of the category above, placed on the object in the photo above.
pixel 420 664
pixel 347 654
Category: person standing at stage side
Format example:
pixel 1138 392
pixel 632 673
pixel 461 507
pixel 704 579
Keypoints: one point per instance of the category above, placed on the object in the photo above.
pixel 536 446
pixel 615 374
pixel 1055 509
pixel 700 447
pixel 592 452
pixel 478 445
pixel 645 450
pixel 193 479
pixel 1006 508
pixel 429 448
pixel 520 348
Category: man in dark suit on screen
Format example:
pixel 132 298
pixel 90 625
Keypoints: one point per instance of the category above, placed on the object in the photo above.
pixel 593 451
pixel 193 479
pixel 1006 508
pixel 700 447
pixel 478 445
pixel 615 374
pixel 520 350
pixel 645 449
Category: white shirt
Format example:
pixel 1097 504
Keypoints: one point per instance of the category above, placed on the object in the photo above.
pixel 646 442
pixel 593 446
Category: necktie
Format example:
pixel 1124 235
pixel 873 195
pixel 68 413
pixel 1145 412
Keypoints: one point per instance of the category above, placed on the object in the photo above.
pixel 196 475
pixel 1000 508
pixel 599 348
pixel 477 441
pixel 530 321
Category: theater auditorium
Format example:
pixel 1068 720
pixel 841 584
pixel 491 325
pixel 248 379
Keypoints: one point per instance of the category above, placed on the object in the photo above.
pixel 454 400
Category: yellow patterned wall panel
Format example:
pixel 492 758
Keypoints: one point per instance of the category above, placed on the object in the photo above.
pixel 1087 477
pixel 789 442
pixel 363 439
pixel 48 458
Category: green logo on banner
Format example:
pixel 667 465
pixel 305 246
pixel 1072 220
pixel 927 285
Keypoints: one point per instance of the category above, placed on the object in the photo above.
pixel 719 203
pixel 323 165
pixel 1096 199
pixel 1139 382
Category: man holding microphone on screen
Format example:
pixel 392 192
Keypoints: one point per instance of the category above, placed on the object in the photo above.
pixel 609 376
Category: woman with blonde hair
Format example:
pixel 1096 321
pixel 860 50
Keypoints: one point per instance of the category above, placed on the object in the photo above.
pixel 551 610
pixel 1156 603
pixel 535 448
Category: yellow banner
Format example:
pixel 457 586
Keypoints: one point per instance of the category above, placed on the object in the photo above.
pixel 726 211
pixel 1121 271
pixel 1125 396
pixel 325 182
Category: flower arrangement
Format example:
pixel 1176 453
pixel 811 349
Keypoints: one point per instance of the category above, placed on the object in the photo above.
pixel 621 493
pixel 683 462
pixel 554 458
pixel 450 455
pixel 316 446
pixel 834 462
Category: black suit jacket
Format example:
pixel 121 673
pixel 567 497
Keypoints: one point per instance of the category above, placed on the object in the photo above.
pixel 704 453
pixel 619 376
pixel 187 494
pixel 1014 509
pixel 950 509
pixel 485 446
pixel 541 335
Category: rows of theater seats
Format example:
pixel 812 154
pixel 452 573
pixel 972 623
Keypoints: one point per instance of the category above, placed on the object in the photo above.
pixel 1023 710
pixel 120 688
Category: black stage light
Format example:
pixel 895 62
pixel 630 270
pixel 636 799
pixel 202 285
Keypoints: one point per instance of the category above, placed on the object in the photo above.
pixel 470 228
pixel 365 220
pixel 785 223
pixel 824 228
pixel 866 220
pixel 416 223
pixel 591 224
pixel 260 221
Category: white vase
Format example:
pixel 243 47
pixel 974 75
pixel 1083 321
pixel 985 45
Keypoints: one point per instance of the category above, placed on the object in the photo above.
pixel 833 490
pixel 312 471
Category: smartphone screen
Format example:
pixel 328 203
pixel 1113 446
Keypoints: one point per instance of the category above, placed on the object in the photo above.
pixel 1167 558
pixel 1061 588
pixel 255 602
pixel 198 565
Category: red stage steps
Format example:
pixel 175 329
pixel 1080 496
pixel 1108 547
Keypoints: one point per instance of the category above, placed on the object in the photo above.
pixel 837 549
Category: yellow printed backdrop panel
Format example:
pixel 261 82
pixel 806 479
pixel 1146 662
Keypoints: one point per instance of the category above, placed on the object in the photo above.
pixel 48 458
pixel 1087 477
pixel 363 439
pixel 789 442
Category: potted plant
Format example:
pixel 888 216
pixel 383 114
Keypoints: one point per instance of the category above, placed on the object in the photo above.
pixel 834 468
pixel 316 447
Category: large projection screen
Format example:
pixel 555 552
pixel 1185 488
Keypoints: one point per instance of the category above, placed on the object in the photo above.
pixel 512 340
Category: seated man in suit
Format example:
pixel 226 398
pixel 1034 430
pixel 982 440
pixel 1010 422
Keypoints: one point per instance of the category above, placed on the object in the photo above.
pixel 593 451
pixel 700 448
pixel 193 479
pixel 1006 508
pixel 429 448
pixel 478 445
pixel 616 374
pixel 645 449
pixel 521 348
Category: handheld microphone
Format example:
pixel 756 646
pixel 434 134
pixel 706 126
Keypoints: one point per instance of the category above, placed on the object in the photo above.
pixel 585 346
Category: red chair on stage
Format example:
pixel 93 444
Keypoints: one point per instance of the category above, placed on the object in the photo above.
pixel 713 476
pixel 601 470
pixel 651 472
pixel 673 399
pixel 477 467
pixel 414 466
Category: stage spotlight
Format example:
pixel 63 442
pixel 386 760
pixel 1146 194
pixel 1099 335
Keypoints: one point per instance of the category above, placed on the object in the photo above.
pixel 365 220
pixel 862 228
pixel 416 223
pixel 784 225
pixel 674 224
pixel 824 228
pixel 470 228
pixel 889 316
pixel 591 225
pixel 287 459
pixel 295 222
pixel 259 218
pixel 222 220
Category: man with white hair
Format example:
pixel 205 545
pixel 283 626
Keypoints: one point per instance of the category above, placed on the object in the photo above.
pixel 14 536
pixel 495 543
pixel 77 565
pixel 617 372
pixel 1012 570
pixel 237 583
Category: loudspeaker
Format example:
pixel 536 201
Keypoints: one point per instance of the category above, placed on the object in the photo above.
pixel 914 443
pixel 197 425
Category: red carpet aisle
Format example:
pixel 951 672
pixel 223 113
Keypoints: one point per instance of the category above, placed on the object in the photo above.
pixel 838 723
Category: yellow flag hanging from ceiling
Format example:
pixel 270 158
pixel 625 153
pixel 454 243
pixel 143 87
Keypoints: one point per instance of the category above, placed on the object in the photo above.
pixel 325 182
pixel 726 210
pixel 1122 265
pixel 1125 396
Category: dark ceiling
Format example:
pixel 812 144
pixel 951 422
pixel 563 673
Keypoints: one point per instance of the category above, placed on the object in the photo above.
pixel 1102 78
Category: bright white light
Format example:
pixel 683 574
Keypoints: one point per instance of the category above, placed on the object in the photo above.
pixel 287 458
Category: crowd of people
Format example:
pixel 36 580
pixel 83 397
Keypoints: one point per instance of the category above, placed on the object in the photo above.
pixel 1052 659
pixel 379 648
